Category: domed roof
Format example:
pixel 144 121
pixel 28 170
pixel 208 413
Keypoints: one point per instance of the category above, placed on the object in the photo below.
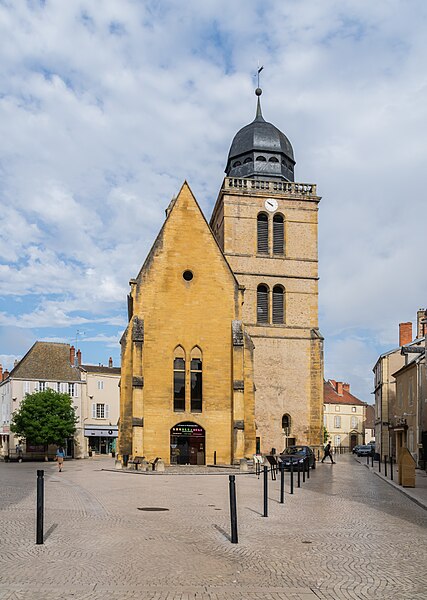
pixel 260 150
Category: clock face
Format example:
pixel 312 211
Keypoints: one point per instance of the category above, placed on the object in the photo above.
pixel 271 204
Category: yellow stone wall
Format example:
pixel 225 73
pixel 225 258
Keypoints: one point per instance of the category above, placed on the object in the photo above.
pixel 192 313
pixel 288 358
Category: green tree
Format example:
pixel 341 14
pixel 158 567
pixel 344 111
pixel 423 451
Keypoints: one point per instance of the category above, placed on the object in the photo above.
pixel 325 435
pixel 45 418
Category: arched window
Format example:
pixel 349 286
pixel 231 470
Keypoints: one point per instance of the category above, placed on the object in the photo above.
pixel 273 159
pixel 262 304
pixel 278 304
pixel 196 380
pixel 179 379
pixel 237 163
pixel 278 234
pixel 261 158
pixel 286 423
pixel 248 160
pixel 262 234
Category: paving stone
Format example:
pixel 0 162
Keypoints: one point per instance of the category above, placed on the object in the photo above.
pixel 345 535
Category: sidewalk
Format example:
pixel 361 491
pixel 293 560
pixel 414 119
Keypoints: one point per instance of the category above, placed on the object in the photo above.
pixel 418 494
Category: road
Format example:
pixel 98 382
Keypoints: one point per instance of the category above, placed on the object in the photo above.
pixel 346 534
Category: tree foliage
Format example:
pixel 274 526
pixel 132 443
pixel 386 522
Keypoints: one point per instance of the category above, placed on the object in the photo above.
pixel 45 418
pixel 325 435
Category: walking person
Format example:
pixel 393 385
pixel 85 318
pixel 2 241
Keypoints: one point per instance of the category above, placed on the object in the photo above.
pixel 60 455
pixel 327 452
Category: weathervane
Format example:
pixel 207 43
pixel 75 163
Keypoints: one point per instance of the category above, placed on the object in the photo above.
pixel 258 72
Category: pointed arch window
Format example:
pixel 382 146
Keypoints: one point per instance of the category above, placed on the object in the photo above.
pixel 278 234
pixel 196 380
pixel 278 305
pixel 179 379
pixel 262 304
pixel 286 423
pixel 262 234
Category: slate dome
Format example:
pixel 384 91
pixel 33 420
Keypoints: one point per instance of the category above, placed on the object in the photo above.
pixel 261 151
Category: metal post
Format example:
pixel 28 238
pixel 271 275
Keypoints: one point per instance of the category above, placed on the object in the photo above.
pixel 385 465
pixel 303 471
pixel 299 477
pixel 391 468
pixel 214 457
pixel 318 454
pixel 372 461
pixel 233 508
pixel 308 468
pixel 265 491
pixel 379 463
pixel 292 476
pixel 40 506
pixel 282 483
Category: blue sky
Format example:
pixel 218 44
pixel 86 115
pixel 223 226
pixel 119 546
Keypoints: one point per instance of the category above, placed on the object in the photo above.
pixel 105 111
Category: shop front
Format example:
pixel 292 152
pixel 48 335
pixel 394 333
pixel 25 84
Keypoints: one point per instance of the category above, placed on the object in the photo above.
pixel 187 444
pixel 101 439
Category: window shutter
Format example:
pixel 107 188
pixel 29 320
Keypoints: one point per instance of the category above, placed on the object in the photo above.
pixel 262 304
pixel 278 235
pixel 76 390
pixel 64 388
pixel 107 411
pixel 262 234
pixel 278 312
pixel 93 411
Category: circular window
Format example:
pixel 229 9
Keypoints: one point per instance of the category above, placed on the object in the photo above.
pixel 188 275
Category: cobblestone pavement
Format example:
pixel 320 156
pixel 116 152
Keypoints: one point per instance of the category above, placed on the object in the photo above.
pixel 346 534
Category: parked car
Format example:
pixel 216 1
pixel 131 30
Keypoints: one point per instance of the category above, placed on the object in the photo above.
pixel 356 448
pixel 365 451
pixel 296 455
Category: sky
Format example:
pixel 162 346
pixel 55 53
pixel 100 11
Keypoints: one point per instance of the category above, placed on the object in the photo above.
pixel 106 108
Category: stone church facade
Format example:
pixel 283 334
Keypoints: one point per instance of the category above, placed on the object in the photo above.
pixel 222 356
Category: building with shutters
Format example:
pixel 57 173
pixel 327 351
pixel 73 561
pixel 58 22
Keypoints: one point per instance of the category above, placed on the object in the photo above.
pixel 223 336
pixel 93 389
pixel 344 415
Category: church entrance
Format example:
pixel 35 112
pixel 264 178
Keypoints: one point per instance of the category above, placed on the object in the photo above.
pixel 187 443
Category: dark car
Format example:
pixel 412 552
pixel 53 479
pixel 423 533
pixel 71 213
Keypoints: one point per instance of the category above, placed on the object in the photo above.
pixel 365 450
pixel 297 455
pixel 356 448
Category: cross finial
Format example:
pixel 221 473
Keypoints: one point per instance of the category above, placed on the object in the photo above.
pixel 258 92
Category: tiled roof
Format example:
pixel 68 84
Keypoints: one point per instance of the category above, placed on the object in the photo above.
pixel 330 396
pixel 48 361
pixel 101 369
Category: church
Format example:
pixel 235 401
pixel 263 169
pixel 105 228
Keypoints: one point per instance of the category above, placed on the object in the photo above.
pixel 222 356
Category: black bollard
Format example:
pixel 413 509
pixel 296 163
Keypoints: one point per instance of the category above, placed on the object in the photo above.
pixel 379 463
pixel 308 468
pixel 318 454
pixel 303 471
pixel 214 457
pixel 40 506
pixel 385 465
pixel 233 508
pixel 265 492
pixel 282 483
pixel 292 476
pixel 299 476
pixel 391 468
pixel 372 460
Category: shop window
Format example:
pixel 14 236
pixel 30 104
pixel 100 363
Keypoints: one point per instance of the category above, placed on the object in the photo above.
pixel 196 380
pixel 179 380
pixel 262 234
pixel 262 304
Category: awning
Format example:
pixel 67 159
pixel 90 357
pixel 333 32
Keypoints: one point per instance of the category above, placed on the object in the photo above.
pixel 110 431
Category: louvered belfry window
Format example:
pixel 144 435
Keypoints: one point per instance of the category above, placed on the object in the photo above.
pixel 278 235
pixel 179 379
pixel 262 304
pixel 278 305
pixel 262 234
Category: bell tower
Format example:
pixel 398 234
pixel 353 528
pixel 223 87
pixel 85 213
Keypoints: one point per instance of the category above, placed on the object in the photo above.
pixel 267 226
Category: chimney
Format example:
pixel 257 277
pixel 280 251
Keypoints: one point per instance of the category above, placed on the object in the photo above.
pixel 421 327
pixel 339 388
pixel 1 372
pixel 79 358
pixel 72 355
pixel 5 374
pixel 110 362
pixel 346 387
pixel 405 333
